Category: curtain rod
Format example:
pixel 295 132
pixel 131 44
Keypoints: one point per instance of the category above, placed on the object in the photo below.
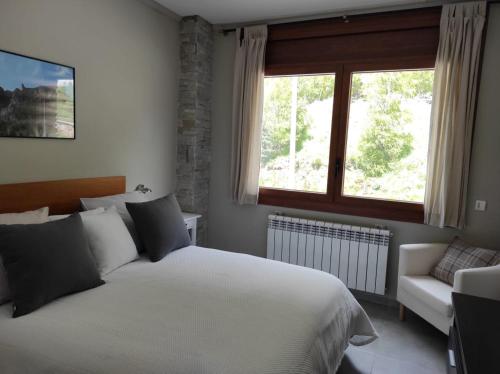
pixel 344 14
pixel 359 12
pixel 344 17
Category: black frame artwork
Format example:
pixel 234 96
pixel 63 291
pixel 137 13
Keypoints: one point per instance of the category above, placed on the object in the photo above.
pixel 37 98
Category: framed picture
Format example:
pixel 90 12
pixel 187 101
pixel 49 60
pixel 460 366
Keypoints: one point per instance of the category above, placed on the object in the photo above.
pixel 37 98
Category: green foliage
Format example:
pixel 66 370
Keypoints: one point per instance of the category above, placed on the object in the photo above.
pixel 357 92
pixel 316 164
pixel 277 112
pixel 315 88
pixel 408 84
pixel 65 107
pixel 381 148
pixel 385 142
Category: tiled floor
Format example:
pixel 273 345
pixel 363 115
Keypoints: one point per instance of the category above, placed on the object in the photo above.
pixel 410 347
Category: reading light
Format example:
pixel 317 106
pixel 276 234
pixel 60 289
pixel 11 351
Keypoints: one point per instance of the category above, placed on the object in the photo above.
pixel 142 188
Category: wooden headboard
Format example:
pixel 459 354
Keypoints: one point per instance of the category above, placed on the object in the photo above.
pixel 62 196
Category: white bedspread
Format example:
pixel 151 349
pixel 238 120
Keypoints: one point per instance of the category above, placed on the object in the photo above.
pixel 197 311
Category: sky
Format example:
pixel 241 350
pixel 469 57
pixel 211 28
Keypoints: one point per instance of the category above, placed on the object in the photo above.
pixel 16 70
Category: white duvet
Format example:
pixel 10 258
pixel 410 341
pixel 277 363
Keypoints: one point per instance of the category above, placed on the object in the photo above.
pixel 197 311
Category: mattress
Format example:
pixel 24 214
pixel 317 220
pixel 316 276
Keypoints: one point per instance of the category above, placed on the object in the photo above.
pixel 198 310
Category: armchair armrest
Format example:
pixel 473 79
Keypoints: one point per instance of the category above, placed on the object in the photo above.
pixel 483 282
pixel 418 259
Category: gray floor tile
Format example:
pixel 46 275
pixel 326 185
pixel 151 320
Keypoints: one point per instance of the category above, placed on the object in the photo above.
pixel 356 361
pixel 413 346
pixel 385 365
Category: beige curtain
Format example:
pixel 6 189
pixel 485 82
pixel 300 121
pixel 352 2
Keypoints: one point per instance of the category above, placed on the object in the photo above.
pixel 248 92
pixel 453 108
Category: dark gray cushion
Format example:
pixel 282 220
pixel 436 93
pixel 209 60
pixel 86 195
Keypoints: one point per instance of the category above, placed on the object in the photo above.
pixel 46 261
pixel 160 226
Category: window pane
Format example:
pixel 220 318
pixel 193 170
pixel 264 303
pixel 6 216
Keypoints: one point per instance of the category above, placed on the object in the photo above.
pixel 296 130
pixel 388 135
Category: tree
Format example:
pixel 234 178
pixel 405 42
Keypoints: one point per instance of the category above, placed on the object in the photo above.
pixel 385 142
pixel 357 92
pixel 277 112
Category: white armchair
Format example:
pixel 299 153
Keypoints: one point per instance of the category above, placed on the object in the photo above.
pixel 431 298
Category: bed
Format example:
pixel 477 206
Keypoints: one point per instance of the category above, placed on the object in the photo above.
pixel 198 310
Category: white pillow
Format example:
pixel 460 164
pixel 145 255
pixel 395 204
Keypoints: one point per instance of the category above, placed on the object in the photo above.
pixel 119 202
pixel 57 217
pixel 25 218
pixel 109 240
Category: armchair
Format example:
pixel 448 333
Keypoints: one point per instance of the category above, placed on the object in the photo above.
pixel 430 298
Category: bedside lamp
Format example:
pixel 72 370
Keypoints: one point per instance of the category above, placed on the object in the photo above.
pixel 142 188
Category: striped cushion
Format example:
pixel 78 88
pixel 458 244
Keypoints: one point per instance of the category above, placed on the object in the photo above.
pixel 461 255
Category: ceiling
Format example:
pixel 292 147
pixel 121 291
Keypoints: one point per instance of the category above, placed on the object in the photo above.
pixel 244 11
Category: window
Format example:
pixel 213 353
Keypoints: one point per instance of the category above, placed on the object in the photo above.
pixel 297 122
pixel 347 114
pixel 388 135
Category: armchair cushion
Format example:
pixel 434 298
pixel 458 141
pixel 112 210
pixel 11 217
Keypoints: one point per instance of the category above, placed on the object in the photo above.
pixel 461 255
pixel 482 282
pixel 419 259
pixel 429 291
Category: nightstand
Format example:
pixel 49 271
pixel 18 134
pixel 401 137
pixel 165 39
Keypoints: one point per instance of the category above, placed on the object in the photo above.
pixel 191 220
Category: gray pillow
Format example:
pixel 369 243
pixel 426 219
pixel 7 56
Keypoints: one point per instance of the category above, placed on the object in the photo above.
pixel 119 202
pixel 461 255
pixel 30 217
pixel 160 226
pixel 4 285
pixel 46 261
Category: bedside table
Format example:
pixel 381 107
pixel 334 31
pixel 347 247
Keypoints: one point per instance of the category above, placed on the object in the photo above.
pixel 191 220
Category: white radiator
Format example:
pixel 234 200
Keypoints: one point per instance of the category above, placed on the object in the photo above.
pixel 356 255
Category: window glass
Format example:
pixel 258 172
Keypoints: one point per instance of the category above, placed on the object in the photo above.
pixel 296 130
pixel 388 135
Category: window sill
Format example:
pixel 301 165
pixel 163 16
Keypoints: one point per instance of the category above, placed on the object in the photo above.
pixel 404 212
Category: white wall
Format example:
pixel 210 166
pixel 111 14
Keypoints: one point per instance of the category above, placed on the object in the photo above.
pixel 126 58
pixel 243 228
